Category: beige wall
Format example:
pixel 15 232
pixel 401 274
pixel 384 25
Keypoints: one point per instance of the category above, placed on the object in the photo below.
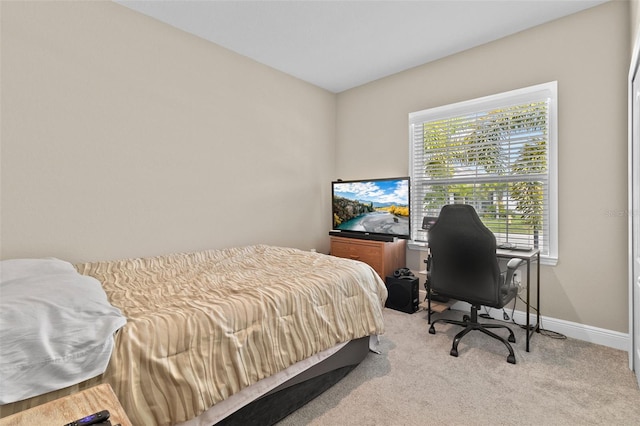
pixel 588 54
pixel 124 137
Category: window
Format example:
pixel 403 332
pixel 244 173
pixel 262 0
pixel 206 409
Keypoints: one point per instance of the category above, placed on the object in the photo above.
pixel 496 153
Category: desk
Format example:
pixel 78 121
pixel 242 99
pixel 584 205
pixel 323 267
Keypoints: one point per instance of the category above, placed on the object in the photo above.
pixel 527 256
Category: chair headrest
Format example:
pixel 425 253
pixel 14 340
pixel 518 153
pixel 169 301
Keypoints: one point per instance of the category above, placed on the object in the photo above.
pixel 462 221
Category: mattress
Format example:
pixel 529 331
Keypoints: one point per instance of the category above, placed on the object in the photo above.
pixel 203 326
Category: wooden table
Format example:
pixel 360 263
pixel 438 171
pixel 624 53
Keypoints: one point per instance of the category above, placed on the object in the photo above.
pixel 72 407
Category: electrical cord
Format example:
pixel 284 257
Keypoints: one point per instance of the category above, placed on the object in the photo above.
pixel 506 317
pixel 542 331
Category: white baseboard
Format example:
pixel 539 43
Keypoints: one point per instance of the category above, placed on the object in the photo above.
pixel 587 333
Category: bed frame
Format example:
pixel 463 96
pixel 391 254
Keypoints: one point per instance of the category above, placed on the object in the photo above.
pixel 297 391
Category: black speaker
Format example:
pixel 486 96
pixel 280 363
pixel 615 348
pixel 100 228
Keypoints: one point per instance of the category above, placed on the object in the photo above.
pixel 403 294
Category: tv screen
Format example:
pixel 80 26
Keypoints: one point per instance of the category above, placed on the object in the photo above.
pixel 372 207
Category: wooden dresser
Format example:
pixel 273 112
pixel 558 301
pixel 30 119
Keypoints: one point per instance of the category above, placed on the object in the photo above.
pixel 73 407
pixel 384 257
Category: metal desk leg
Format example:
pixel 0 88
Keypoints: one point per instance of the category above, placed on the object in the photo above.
pixel 535 328
pixel 538 296
pixel 528 300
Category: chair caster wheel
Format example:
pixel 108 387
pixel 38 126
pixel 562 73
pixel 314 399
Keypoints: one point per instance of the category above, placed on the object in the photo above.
pixel 454 352
pixel 512 339
pixel 432 330
pixel 511 359
pixel 466 318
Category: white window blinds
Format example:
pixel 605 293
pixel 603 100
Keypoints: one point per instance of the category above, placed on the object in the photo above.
pixel 496 154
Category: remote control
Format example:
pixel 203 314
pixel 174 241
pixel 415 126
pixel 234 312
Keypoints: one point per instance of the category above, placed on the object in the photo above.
pixel 91 419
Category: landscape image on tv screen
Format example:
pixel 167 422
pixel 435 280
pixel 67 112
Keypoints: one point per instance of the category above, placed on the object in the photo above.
pixel 378 206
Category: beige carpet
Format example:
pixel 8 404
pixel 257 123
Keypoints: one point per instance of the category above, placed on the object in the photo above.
pixel 414 381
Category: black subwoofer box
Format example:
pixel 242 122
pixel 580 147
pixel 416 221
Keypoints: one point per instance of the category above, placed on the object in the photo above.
pixel 403 294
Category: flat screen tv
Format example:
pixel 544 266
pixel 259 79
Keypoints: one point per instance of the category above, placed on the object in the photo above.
pixel 370 208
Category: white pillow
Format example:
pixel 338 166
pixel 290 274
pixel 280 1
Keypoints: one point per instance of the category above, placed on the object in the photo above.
pixel 56 327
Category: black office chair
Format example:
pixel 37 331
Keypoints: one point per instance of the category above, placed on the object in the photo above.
pixel 462 265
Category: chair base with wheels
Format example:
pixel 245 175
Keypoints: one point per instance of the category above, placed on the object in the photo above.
pixel 471 323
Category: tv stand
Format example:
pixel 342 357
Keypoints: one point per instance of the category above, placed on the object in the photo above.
pixel 383 256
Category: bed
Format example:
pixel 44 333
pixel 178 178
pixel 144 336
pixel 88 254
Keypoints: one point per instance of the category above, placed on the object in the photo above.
pixel 231 336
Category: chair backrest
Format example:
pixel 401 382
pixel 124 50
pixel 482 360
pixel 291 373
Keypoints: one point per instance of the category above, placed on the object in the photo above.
pixel 463 263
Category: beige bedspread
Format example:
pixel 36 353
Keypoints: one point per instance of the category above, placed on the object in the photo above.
pixel 203 326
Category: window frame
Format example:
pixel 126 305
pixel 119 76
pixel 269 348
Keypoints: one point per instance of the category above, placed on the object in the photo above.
pixel 545 91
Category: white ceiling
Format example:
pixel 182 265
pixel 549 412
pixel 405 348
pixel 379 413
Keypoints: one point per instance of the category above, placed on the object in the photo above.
pixel 338 45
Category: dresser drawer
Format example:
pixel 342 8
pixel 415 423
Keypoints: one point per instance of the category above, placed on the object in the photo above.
pixel 371 254
pixel 383 256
